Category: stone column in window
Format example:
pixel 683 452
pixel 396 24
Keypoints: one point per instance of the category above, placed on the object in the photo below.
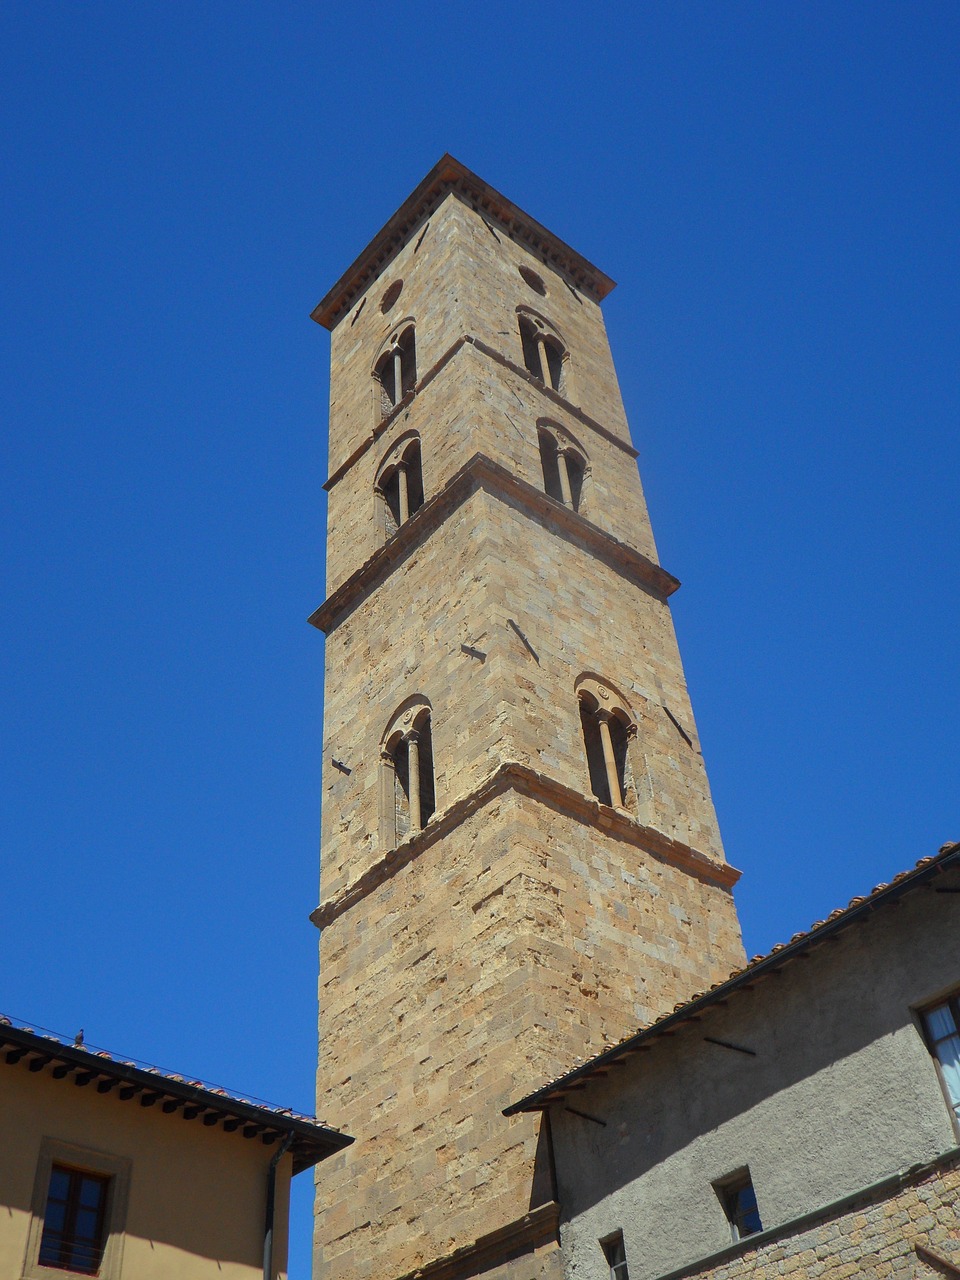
pixel 609 759
pixel 413 773
pixel 403 492
pixel 565 490
pixel 388 799
pixel 544 360
pixel 397 374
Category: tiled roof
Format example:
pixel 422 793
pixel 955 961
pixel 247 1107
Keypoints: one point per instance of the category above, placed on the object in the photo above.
pixel 857 909
pixel 42 1051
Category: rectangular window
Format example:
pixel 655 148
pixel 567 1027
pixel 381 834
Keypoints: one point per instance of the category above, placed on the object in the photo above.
pixel 616 1256
pixel 73 1221
pixel 739 1202
pixel 942 1025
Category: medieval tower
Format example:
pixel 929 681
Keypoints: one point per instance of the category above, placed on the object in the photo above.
pixel 519 852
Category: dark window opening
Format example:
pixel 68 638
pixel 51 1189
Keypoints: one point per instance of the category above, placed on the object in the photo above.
pixel 74 1221
pixel 396 370
pixel 531 355
pixel 412 811
pixel 427 797
pixel 739 1202
pixel 602 784
pixel 550 465
pixel 575 472
pixel 594 749
pixel 553 373
pixel 616 1256
pixel 402 488
pixel 401 769
pixel 543 355
pixel 618 735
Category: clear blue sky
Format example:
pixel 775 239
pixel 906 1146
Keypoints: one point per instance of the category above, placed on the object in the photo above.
pixel 775 188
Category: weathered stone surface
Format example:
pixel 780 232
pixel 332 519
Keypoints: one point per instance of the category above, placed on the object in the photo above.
pixel 525 926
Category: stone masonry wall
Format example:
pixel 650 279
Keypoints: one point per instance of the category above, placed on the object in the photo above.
pixel 492 959
pixel 910 1234
pixel 466 410
pixel 461 281
pixel 527 924
pixel 405 638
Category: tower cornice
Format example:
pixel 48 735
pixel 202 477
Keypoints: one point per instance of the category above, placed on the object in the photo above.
pixel 447 176
pixel 480 472
pixel 521 778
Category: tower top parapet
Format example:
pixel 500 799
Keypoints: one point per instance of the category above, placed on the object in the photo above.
pixel 449 175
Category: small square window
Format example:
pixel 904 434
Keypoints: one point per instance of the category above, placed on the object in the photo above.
pixel 739 1202
pixel 942 1026
pixel 616 1256
pixel 74 1220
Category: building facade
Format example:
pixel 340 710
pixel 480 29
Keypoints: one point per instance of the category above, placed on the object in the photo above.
pixel 800 1119
pixel 520 859
pixel 100 1176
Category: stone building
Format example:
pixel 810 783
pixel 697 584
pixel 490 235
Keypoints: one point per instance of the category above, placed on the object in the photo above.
pixel 801 1118
pixel 520 857
pixel 99 1174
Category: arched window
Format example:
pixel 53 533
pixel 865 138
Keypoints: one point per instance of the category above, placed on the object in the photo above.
pixel 608 728
pixel 396 367
pixel 564 466
pixel 406 774
pixel 544 353
pixel 399 484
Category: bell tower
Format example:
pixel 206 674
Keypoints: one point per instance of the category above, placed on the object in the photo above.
pixel 520 860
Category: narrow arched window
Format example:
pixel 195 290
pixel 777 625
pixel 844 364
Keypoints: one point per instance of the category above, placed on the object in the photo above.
pixel 399 484
pixel 564 467
pixel 607 728
pixel 550 464
pixel 544 354
pixel 396 368
pixel 408 798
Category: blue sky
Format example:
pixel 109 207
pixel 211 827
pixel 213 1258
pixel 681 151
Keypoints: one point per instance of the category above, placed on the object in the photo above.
pixel 775 189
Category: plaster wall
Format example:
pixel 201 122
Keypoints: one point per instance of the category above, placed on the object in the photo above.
pixel 196 1197
pixel 840 1093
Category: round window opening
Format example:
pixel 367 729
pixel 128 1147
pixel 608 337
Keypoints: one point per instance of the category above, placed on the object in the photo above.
pixel 534 281
pixel 391 295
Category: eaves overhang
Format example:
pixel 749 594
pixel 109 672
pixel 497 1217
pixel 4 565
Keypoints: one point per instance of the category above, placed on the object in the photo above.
pixel 449 175
pixel 858 910
pixel 310 1142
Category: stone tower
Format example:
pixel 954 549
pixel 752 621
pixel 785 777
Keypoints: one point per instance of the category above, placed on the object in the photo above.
pixel 520 857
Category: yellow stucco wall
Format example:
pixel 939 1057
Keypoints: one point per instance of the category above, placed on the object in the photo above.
pixel 196 1196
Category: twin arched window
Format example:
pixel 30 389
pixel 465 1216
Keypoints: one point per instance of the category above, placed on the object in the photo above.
pixel 408 799
pixel 608 727
pixel 399 484
pixel 396 367
pixel 564 466
pixel 407 791
pixel 544 352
